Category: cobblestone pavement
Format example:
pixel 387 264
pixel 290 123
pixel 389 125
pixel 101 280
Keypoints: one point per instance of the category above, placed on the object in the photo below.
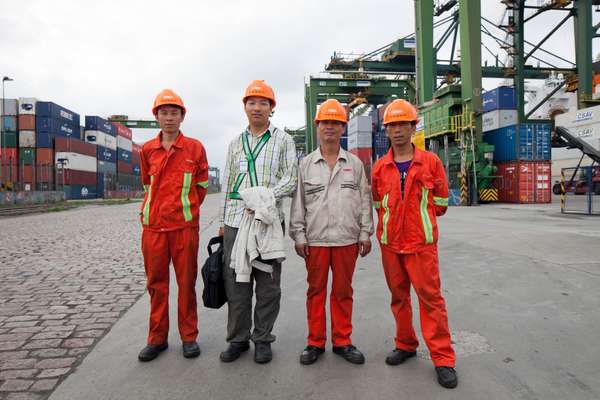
pixel 65 279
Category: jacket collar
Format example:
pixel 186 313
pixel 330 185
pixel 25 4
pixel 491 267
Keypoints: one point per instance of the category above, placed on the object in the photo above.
pixel 156 144
pixel 270 129
pixel 341 155
pixel 417 156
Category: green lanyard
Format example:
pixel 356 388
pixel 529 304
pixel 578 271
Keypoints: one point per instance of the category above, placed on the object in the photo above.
pixel 251 157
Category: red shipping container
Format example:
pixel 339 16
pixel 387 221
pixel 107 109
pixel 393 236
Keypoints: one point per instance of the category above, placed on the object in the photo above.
pixel 27 122
pixel 135 158
pixel 73 177
pixel 124 168
pixel 123 131
pixel 365 154
pixel 524 182
pixel 9 172
pixel 44 173
pixel 74 146
pixel 136 148
pixel 27 173
pixel 44 156
pixel 9 155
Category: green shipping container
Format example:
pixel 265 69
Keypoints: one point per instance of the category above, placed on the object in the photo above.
pixel 26 156
pixel 9 140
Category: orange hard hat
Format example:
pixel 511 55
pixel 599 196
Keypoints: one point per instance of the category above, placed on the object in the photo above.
pixel 400 110
pixel 167 97
pixel 258 88
pixel 331 110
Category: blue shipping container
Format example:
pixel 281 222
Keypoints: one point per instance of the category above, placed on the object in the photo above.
pixel 533 143
pixel 10 124
pixel 344 142
pixel 123 155
pixel 501 98
pixel 44 140
pixel 106 167
pixel 104 154
pixel 52 110
pixel 80 192
pixel 93 123
pixel 100 186
pixel 137 170
pixel 56 127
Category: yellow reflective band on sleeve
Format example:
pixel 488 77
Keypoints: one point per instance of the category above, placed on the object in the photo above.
pixel 440 201
pixel 203 184
pixel 185 200
pixel 377 205
pixel 427 227
pixel 386 218
pixel 146 210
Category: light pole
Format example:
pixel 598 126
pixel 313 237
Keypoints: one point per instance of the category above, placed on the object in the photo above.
pixel 2 135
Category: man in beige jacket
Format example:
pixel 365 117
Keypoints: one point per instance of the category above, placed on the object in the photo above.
pixel 331 222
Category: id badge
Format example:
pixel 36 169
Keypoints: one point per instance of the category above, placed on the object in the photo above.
pixel 243 166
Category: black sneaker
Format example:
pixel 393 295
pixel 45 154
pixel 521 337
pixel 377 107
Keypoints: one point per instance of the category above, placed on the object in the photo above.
pixel 310 355
pixel 447 377
pixel 350 354
pixel 262 352
pixel 234 351
pixel 191 349
pixel 151 351
pixel 398 356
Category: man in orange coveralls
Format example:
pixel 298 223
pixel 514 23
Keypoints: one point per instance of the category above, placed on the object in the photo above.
pixel 409 191
pixel 175 179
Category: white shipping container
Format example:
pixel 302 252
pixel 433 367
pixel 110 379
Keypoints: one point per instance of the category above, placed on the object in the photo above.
pixel 27 105
pixel 558 165
pixel 124 143
pixel 78 162
pixel 498 119
pixel 110 142
pixel 11 107
pixel 578 119
pixel 360 140
pixel 95 137
pixel 27 139
pixel 360 123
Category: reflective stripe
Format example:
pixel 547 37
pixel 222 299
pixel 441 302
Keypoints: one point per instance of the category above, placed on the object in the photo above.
pixel 204 184
pixel 234 195
pixel 386 217
pixel 185 200
pixel 427 227
pixel 146 210
pixel 251 158
pixel 377 205
pixel 440 201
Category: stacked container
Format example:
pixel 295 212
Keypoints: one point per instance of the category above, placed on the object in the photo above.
pixel 52 120
pixel 76 167
pixel 136 151
pixel 124 149
pixel 381 143
pixel 360 140
pixel 103 134
pixel 8 140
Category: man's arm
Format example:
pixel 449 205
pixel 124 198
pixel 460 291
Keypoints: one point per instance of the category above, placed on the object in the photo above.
pixel 440 188
pixel 288 162
pixel 225 185
pixel 298 218
pixel 201 179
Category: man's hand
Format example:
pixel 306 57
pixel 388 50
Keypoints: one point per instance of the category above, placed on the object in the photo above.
pixel 221 231
pixel 301 249
pixel 365 247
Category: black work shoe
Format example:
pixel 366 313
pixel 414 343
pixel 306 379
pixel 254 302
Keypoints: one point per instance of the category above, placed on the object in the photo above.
pixel 310 355
pixel 191 349
pixel 151 351
pixel 398 356
pixel 262 352
pixel 447 377
pixel 234 351
pixel 350 354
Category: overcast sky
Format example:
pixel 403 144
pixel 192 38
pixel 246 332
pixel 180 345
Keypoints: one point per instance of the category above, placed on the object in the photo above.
pixel 112 57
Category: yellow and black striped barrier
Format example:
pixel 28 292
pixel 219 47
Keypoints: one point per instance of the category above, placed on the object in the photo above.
pixel 488 195
pixel 562 191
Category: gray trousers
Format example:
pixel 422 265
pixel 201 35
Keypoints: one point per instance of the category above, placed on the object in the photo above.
pixel 239 299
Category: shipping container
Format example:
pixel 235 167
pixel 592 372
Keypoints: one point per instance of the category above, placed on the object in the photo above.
pixel 94 123
pixel 500 98
pixel 366 156
pixel 75 161
pixel 136 170
pixel 123 131
pixel 27 175
pixel 11 107
pixel 56 127
pixel 27 156
pixel 110 142
pixel 497 119
pixel 44 156
pixel 360 123
pixel 26 122
pixel 104 154
pixel 9 124
pixel 524 182
pixel 100 185
pixel 80 192
pixel 124 167
pixel 26 138
pixel 123 143
pixel 10 172
pixel 138 147
pixel 105 167
pixel 54 111
pixel 533 142
pixel 44 174
pixel 9 140
pixel 44 140
pixel 124 155
pixel 8 155
pixel 27 105
pixel 343 145
pixel 136 159
pixel 75 146
pixel 73 177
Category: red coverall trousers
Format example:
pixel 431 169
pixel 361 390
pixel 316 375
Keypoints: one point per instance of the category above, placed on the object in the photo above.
pixel 421 270
pixel 342 261
pixel 159 249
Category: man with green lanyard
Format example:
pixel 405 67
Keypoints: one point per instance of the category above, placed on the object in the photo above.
pixel 262 155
